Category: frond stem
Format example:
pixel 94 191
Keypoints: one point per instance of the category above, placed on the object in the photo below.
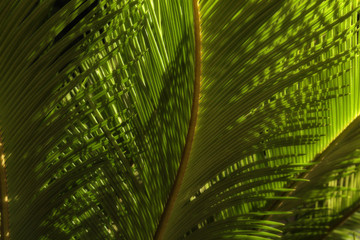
pixel 191 131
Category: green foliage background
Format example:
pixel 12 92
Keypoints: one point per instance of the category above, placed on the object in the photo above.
pixel 95 103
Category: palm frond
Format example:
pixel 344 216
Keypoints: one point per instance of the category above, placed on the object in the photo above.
pixel 269 87
pixel 96 102
pixel 92 95
pixel 349 230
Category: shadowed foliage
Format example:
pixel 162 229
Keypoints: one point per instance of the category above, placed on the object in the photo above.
pixel 96 104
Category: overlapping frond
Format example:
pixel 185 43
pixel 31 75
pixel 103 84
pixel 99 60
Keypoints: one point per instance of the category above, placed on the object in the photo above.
pixel 348 231
pixel 332 194
pixel 95 103
pixel 96 100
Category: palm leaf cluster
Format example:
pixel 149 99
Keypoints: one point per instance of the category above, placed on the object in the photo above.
pixel 98 99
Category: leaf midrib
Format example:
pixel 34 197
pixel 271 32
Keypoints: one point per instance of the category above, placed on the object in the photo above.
pixel 191 130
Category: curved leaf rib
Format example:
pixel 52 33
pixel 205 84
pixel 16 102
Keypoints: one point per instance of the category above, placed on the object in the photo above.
pixel 190 136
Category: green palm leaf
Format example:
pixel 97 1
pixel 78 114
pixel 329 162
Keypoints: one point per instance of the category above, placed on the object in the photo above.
pixel 105 134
